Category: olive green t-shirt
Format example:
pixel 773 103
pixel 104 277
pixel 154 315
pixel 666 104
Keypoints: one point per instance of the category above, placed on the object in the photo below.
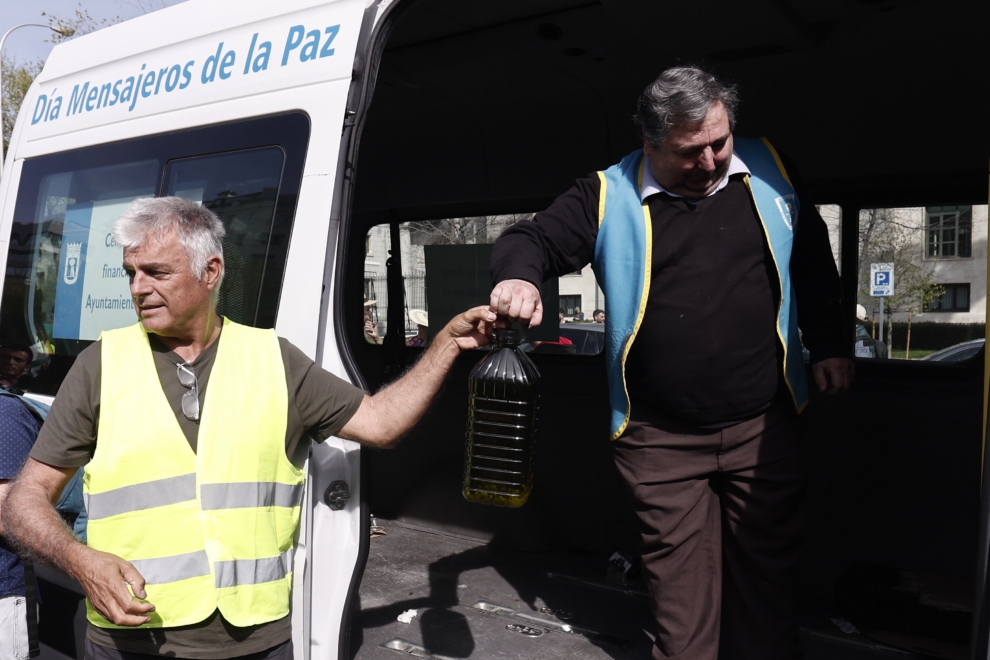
pixel 320 404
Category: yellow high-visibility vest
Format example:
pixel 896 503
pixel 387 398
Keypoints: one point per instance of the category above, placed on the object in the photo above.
pixel 208 530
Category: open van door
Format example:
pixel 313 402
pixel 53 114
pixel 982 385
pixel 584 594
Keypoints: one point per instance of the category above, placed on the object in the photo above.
pixel 482 113
pixel 241 107
pixel 981 617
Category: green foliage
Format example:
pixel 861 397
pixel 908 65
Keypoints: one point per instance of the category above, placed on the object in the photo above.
pixel 916 354
pixel 17 78
pixel 928 335
pixel 893 236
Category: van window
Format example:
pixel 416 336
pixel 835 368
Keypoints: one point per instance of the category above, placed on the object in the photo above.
pixel 936 257
pixel 241 188
pixel 578 292
pixel 60 239
pixel 64 282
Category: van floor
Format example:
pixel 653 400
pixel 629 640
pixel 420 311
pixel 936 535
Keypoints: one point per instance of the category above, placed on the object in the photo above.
pixel 474 600
pixel 530 601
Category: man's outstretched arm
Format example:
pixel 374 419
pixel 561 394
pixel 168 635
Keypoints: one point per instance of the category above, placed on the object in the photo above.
pixel 30 520
pixel 385 417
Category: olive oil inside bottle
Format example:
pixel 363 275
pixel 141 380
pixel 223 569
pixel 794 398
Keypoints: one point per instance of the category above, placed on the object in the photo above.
pixel 501 430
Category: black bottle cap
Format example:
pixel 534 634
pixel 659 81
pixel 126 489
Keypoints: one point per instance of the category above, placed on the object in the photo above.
pixel 509 336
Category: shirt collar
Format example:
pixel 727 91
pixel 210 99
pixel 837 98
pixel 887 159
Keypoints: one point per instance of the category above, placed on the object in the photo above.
pixel 651 187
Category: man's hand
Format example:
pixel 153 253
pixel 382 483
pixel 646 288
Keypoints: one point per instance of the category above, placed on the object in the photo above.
pixel 833 375
pixel 30 520
pixel 388 415
pixel 371 330
pixel 105 578
pixel 471 329
pixel 517 300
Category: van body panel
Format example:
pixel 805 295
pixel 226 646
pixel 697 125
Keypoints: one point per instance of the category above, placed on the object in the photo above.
pixel 317 41
pixel 497 109
pixel 201 76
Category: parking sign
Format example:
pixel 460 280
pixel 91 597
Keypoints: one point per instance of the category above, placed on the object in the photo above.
pixel 882 279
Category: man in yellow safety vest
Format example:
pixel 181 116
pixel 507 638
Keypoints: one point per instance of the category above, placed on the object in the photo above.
pixel 187 424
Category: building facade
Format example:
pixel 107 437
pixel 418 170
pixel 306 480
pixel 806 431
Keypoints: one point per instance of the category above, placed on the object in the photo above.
pixel 939 257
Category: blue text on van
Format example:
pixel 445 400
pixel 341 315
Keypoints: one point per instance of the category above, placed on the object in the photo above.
pixel 300 43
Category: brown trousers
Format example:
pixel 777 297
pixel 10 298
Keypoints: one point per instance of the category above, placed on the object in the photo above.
pixel 721 519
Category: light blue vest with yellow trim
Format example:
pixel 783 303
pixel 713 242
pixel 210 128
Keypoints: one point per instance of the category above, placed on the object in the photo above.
pixel 624 254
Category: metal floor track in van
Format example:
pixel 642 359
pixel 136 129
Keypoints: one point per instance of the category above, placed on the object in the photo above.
pixel 473 600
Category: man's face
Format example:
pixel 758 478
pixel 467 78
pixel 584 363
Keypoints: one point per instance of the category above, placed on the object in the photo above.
pixel 694 158
pixel 13 363
pixel 600 317
pixel 168 298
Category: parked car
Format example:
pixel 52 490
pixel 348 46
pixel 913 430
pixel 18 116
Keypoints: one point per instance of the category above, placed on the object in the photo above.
pixel 958 352
pixel 581 339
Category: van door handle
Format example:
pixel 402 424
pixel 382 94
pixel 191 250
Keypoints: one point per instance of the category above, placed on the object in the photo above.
pixel 337 495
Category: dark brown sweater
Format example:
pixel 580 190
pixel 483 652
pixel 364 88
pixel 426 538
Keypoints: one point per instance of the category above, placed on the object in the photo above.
pixel 707 352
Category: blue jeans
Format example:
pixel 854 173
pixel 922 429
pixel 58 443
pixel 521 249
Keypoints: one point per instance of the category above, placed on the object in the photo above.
pixel 13 628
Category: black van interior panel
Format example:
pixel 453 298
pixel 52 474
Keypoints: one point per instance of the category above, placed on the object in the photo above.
pixel 485 108
pixel 511 101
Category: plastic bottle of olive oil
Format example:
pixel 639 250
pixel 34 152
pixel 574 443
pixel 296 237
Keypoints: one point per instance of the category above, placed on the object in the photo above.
pixel 501 428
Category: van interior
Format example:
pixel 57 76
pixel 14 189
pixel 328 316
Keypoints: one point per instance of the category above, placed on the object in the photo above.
pixel 492 109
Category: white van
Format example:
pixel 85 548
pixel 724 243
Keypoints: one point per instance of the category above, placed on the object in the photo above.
pixel 241 107
pixel 342 142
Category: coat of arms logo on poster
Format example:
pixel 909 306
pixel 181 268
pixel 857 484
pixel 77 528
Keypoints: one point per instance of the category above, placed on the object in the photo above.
pixel 73 251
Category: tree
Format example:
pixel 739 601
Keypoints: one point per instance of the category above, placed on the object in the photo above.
pixel 893 236
pixel 78 24
pixel 17 79
pixel 18 76
pixel 461 231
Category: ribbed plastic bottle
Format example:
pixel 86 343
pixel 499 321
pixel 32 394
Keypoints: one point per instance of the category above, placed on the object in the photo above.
pixel 501 430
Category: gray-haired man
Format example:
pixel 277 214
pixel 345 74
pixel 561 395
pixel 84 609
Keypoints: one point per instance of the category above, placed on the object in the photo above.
pixel 188 425
pixel 704 250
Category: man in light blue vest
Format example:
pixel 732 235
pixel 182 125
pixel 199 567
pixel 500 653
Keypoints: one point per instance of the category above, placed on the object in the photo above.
pixel 710 261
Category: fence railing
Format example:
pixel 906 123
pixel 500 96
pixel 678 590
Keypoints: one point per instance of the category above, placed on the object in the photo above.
pixel 376 288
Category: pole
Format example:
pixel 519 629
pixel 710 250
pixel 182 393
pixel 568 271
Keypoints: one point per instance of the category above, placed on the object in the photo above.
pixel 881 318
pixel 3 39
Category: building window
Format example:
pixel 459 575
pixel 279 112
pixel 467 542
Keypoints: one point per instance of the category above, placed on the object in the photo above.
pixel 954 299
pixel 950 232
pixel 568 303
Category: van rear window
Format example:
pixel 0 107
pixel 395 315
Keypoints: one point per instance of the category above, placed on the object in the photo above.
pixel 445 270
pixel 922 282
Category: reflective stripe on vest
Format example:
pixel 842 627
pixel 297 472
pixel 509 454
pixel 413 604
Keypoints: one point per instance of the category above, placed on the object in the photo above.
pixel 253 571
pixel 208 530
pixel 141 496
pixel 623 254
pixel 172 569
pixel 240 495
pixel 228 573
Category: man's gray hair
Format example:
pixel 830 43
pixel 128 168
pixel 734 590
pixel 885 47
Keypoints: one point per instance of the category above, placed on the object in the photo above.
pixel 681 95
pixel 199 230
